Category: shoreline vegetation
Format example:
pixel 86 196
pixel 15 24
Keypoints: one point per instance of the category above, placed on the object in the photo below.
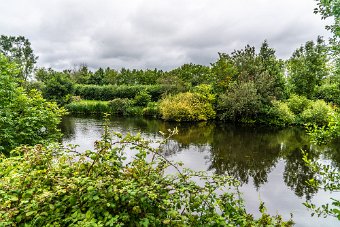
pixel 42 184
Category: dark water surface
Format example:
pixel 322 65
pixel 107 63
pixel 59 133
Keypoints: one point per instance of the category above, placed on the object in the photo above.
pixel 267 162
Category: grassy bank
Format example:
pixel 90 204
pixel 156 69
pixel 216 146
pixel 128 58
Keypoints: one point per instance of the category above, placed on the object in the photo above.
pixel 88 107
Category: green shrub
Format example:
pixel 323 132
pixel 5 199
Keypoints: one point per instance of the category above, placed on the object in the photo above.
pixel 297 104
pixel 142 99
pixel 329 93
pixel 45 186
pixel 58 88
pixel 120 106
pixel 280 114
pixel 186 107
pixel 88 107
pixel 152 110
pixel 134 111
pixel 241 102
pixel 325 134
pixel 318 112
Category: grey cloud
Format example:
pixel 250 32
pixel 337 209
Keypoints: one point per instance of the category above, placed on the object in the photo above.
pixel 156 34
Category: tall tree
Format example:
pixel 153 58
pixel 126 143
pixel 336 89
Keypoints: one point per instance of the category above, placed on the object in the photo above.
pixel 81 74
pixel 307 67
pixel 331 9
pixel 97 77
pixel 224 72
pixel 18 49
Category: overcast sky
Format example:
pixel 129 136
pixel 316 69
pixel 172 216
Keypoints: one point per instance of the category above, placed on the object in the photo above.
pixel 156 33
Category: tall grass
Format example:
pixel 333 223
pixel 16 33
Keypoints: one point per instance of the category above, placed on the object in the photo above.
pixel 123 107
pixel 88 107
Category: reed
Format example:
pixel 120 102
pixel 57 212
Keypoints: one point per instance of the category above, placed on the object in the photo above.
pixel 88 107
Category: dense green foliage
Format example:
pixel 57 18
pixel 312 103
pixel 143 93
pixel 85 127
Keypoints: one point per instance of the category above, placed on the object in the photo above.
pixel 58 88
pixel 330 9
pixel 240 103
pixel 248 86
pixel 120 106
pixel 327 175
pixel 326 133
pixel 307 67
pixel 330 92
pixel 248 83
pixel 142 98
pixel 299 110
pixel 25 117
pixel 109 92
pixel 18 49
pixel 44 186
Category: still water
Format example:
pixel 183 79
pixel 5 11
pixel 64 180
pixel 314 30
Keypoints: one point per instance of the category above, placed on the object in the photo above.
pixel 267 162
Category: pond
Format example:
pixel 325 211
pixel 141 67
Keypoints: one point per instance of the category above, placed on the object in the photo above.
pixel 267 162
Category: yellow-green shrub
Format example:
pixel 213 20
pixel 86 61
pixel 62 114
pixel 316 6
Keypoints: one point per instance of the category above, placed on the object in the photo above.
pixel 281 114
pixel 297 104
pixel 318 112
pixel 186 107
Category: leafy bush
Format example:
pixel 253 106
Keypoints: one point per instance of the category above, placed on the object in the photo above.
pixel 297 104
pixel 280 114
pixel 119 106
pixel 58 88
pixel 318 112
pixel 325 134
pixel 142 99
pixel 44 186
pixel 329 93
pixel 205 91
pixel 25 117
pixel 152 110
pixel 186 107
pixel 88 107
pixel 240 102
pixel 134 111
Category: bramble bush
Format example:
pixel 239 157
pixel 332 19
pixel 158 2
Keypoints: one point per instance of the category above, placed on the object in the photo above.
pixel 56 186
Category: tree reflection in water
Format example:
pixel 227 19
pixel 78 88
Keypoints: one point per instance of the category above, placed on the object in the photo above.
pixel 244 152
pixel 250 152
